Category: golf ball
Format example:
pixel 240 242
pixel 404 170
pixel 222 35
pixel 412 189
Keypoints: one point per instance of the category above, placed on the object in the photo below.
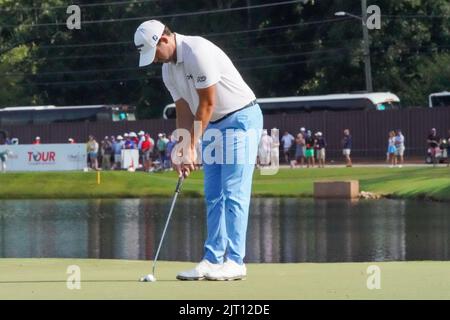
pixel 148 278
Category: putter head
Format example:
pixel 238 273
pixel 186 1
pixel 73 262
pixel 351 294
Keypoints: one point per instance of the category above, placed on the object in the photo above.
pixel 148 278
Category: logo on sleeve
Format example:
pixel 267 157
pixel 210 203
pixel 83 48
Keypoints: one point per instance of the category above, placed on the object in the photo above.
pixel 201 78
pixel 189 77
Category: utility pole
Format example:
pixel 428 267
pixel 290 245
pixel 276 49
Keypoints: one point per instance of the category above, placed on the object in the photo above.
pixel 366 47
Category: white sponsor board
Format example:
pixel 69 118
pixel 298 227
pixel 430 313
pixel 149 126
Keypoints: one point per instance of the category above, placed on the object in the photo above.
pixel 130 158
pixel 45 157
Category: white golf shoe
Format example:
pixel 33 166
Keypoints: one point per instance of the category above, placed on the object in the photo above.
pixel 230 270
pixel 199 272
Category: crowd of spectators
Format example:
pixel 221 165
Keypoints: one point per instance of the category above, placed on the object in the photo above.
pixel 153 156
pixel 305 149
pixel 309 149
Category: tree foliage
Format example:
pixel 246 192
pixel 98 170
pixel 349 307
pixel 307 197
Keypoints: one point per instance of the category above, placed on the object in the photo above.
pixel 291 49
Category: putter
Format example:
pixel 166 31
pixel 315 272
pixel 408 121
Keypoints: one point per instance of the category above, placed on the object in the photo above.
pixel 151 277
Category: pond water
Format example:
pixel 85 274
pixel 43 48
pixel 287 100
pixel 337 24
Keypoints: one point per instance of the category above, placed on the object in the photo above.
pixel 280 229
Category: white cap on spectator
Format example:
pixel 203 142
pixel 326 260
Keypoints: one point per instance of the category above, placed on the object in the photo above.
pixel 125 134
pixel 70 140
pixel 119 137
pixel 141 133
pixel 319 134
pixel 133 134
pixel 302 129
pixel 38 138
pixel 160 135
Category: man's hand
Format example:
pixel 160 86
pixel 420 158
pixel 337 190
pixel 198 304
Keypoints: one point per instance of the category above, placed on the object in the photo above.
pixel 187 158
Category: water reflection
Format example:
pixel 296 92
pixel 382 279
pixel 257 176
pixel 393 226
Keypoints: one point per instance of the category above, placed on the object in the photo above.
pixel 280 229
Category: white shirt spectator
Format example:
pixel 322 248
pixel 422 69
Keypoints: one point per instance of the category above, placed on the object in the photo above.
pixel 400 141
pixel 287 141
pixel 265 146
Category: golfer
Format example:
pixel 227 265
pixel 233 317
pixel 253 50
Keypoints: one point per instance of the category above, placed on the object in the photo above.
pixel 206 87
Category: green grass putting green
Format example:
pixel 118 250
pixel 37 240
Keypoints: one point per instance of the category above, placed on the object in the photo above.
pixel 407 182
pixel 117 279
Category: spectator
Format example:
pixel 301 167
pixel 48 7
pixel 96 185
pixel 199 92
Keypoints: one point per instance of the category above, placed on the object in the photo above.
pixel 117 147
pixel 146 146
pixel 107 152
pixel 400 147
pixel 169 147
pixel 264 149
pixel 443 146
pixel 161 145
pixel 141 135
pixel 3 156
pixel 303 132
pixel 92 149
pixel 287 142
pixel 309 153
pixel 275 148
pixel 37 140
pixel 134 138
pixel 347 147
pixel 166 141
pixel 320 146
pixel 71 140
pixel 152 151
pixel 299 151
pixel 433 144
pixel 129 143
pixel 392 150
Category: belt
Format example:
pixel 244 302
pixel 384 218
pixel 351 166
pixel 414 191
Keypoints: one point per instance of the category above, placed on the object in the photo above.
pixel 251 104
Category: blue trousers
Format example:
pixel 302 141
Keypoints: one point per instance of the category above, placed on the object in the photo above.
pixel 228 182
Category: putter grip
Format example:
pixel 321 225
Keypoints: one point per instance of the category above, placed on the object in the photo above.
pixel 180 182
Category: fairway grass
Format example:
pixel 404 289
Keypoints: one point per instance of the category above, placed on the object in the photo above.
pixel 410 182
pixel 118 279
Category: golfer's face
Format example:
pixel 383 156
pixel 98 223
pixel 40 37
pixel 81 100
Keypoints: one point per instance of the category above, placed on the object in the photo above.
pixel 163 53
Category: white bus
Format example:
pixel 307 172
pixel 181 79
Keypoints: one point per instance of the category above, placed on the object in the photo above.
pixel 330 102
pixel 439 99
pixel 51 114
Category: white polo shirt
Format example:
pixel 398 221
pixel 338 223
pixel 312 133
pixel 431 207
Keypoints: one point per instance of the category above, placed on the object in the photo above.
pixel 201 64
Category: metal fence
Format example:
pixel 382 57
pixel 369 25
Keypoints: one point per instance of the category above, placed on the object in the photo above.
pixel 369 129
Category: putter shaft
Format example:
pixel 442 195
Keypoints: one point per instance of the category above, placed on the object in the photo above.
pixel 177 191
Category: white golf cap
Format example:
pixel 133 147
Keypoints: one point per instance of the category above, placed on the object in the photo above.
pixel 141 133
pixel 302 129
pixel 119 137
pixel 146 38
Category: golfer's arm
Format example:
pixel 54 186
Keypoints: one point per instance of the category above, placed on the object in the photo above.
pixel 185 118
pixel 207 101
